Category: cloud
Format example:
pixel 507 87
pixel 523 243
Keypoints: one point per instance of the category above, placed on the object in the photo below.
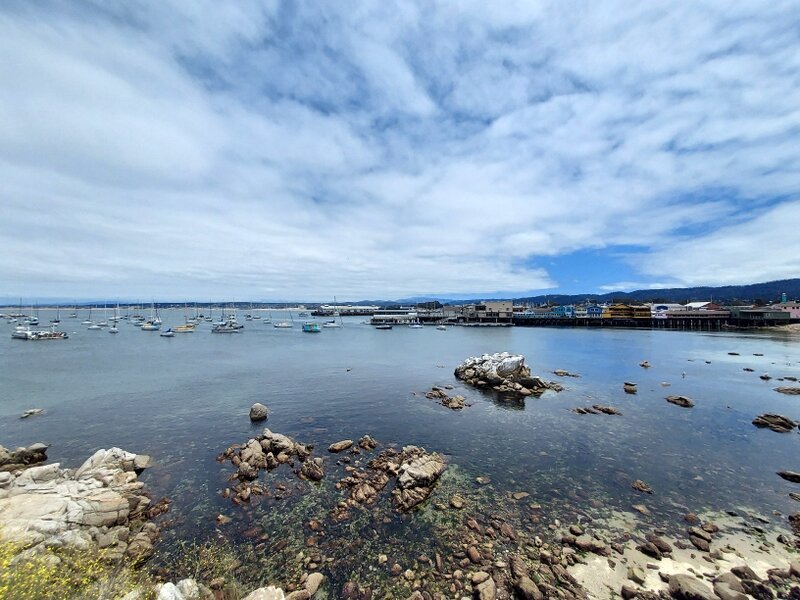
pixel 302 150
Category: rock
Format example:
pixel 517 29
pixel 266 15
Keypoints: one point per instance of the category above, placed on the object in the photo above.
pixel 46 505
pixel 298 595
pixel 662 545
pixel 340 446
pixel 266 593
pixel 699 543
pixel 629 387
pixel 765 376
pixel 757 590
pixel 775 422
pixel 744 572
pixel 22 457
pixel 258 412
pixel 686 587
pixel 700 533
pixel 641 508
pixel 485 588
pixel 790 476
pixel 645 364
pixel 725 592
pixel 563 373
pixel 681 401
pixel 457 502
pixel 641 486
pixel 417 474
pixel 636 574
pixel 526 589
pixel 169 591
pixel 31 412
pixel 367 443
pixel 792 391
pixel 473 555
pixel 506 373
pixel 650 549
pixel 794 568
pixel 312 469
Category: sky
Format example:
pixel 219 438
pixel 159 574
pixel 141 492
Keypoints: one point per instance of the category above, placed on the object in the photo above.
pixel 381 150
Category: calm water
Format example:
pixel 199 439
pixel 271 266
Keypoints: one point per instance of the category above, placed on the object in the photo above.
pixel 184 400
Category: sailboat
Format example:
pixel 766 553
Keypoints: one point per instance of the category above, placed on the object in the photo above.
pixel 89 321
pixel 332 323
pixel 284 324
pixel 57 320
pixel 154 322
pixel 104 322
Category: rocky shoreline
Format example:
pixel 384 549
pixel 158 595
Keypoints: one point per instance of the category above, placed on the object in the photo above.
pixel 484 544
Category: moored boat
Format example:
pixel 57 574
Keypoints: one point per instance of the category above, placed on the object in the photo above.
pixel 311 327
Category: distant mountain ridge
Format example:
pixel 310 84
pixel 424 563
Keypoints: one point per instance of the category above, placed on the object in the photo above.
pixel 769 291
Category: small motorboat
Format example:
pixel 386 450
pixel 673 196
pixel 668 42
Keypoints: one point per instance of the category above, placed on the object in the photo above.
pixel 94 327
pixel 383 326
pixel 113 329
pixel 331 324
pixel 282 325
pixel 188 328
pixel 167 333
pixel 415 326
pixel 441 327
pixel 311 327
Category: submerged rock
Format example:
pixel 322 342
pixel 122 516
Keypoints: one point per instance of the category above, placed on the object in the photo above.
pixel 596 409
pixel 641 486
pixel 629 387
pixel 790 476
pixel 792 391
pixel 681 401
pixel 31 412
pixel 439 395
pixel 774 422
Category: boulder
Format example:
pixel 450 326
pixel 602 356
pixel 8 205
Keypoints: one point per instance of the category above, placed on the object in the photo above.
pixel 681 401
pixel 266 593
pixel 792 391
pixel 790 476
pixel 340 446
pixel 313 582
pixel 686 587
pixel 46 504
pixel 774 422
pixel 312 469
pixel 416 475
pixel 258 412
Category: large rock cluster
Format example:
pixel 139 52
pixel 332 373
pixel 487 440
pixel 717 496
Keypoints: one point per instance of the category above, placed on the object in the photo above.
pixel 13 460
pixel 503 372
pixel 94 505
pixel 416 472
pixel 264 453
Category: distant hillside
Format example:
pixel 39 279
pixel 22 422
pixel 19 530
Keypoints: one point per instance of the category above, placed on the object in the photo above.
pixel 731 294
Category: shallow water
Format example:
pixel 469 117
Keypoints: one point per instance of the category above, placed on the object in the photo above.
pixel 184 400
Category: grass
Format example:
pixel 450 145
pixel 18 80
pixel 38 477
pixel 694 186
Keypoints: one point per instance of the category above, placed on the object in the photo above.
pixel 63 574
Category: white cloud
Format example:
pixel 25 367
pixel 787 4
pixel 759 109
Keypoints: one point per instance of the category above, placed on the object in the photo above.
pixel 303 151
